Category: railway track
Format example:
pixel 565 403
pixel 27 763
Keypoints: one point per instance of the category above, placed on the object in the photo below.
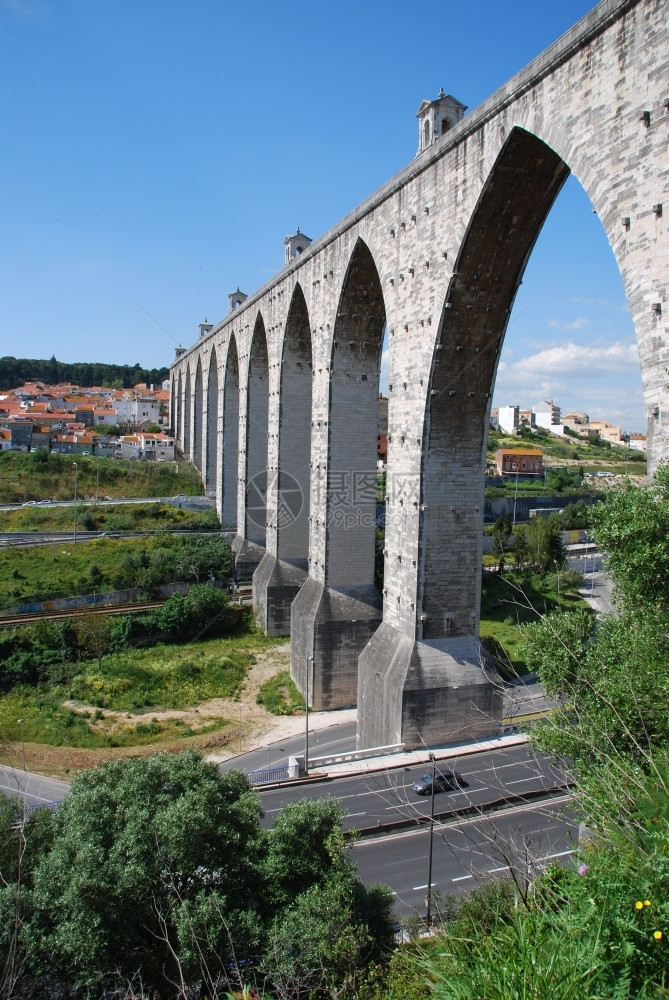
pixel 107 609
pixel 245 598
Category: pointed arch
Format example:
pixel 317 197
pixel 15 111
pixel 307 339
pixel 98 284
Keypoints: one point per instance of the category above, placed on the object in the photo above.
pixel 188 407
pixel 210 465
pixel 353 425
pixel 257 400
pixel 487 273
pixel 292 482
pixel 178 428
pixel 198 416
pixel 230 437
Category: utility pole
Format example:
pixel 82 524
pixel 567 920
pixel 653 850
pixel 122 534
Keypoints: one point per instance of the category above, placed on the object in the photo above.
pixel 22 724
pixel 428 899
pixel 310 663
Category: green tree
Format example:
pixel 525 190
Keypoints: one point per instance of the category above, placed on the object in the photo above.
pixel 138 845
pixel 611 678
pixel 197 556
pixel 632 527
pixel 93 632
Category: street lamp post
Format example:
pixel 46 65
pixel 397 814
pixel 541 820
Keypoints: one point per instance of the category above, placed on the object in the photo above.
pixel 428 900
pixel 23 742
pixel 75 503
pixel 97 478
pixel 241 708
pixel 310 662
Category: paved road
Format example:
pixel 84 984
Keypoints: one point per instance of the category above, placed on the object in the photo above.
pixel 338 738
pixel 597 586
pixel 382 797
pixel 33 789
pixel 467 853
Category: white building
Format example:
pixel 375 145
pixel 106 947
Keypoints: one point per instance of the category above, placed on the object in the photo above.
pixel 508 418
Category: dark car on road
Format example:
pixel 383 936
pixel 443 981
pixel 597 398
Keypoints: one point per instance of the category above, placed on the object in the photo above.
pixel 444 781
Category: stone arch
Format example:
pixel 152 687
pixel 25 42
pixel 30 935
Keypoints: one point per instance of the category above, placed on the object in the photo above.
pixel 283 568
pixel 188 407
pixel 178 418
pixel 256 437
pixel 497 244
pixel 210 470
pixel 230 438
pixel 198 417
pixel 338 609
pixel 353 424
pixel 293 476
pixel 173 408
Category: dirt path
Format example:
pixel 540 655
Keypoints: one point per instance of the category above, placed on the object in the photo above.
pixel 245 724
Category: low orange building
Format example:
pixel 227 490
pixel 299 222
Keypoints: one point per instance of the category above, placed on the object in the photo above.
pixel 519 461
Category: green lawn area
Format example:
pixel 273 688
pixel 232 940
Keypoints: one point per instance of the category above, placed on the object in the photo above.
pixel 280 696
pixel 40 476
pixel 506 605
pixel 90 708
pixel 44 572
pixel 110 517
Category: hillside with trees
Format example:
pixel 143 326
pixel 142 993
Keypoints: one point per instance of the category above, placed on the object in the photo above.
pixel 15 371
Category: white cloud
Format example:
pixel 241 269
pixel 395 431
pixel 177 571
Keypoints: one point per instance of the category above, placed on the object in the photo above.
pixel 576 324
pixel 577 361
pixel 600 378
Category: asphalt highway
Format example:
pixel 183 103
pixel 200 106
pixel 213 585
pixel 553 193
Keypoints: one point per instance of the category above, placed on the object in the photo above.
pixel 34 789
pixel 520 841
pixel 338 738
pixel 379 798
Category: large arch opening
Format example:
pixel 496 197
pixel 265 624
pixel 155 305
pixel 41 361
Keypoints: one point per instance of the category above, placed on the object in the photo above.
pixel 188 406
pixel 198 413
pixel 433 656
pixel 230 438
pixel 353 429
pixel 256 437
pixel 487 273
pixel 211 456
pixel 173 412
pixel 283 568
pixel 339 608
pixel 293 483
pixel 178 416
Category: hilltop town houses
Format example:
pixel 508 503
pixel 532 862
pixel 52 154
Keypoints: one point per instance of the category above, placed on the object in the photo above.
pixel 547 416
pixel 69 419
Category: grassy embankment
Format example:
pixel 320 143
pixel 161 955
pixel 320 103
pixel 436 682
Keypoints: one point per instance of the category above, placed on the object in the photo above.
pixel 506 605
pixel 108 517
pixel 45 572
pixel 122 702
pixel 136 696
pixel 44 476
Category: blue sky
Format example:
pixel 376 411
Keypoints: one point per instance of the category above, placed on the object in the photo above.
pixel 158 152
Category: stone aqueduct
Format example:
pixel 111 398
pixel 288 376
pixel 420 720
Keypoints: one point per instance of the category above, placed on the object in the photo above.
pixel 285 388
